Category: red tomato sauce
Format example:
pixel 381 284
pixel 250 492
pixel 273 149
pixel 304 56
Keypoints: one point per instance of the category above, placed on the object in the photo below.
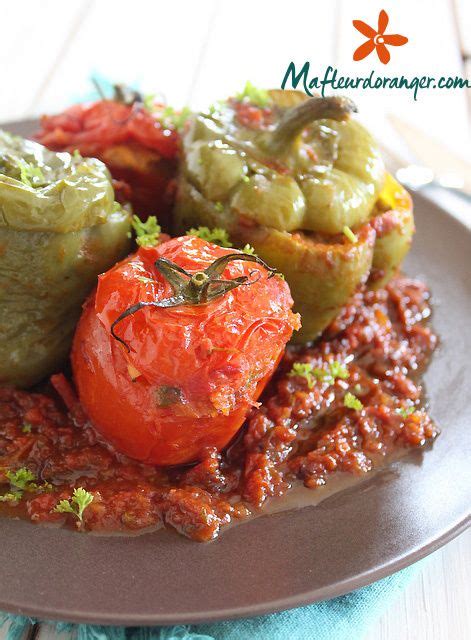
pixel 297 434
pixel 252 116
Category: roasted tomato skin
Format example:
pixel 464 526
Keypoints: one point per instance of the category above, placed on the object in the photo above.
pixel 192 372
pixel 139 151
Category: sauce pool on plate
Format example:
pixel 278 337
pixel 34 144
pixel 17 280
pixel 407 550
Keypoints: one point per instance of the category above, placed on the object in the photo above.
pixel 337 407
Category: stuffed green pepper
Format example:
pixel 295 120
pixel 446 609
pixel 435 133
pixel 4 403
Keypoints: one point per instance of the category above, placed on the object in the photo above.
pixel 59 228
pixel 296 178
pixel 393 222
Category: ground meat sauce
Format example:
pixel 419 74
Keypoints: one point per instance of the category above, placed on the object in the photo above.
pixel 297 434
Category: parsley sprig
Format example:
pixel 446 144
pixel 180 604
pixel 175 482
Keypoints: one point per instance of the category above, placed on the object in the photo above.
pixel 11 496
pixel 336 370
pixel 404 412
pixel 77 504
pixel 253 94
pixel 306 370
pixel 149 102
pixel 176 119
pixel 303 370
pixel 169 117
pixel 352 402
pixel 148 232
pixel 216 235
pixel 20 481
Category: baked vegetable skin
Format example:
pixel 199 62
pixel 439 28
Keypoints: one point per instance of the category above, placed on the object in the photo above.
pixel 303 165
pixel 291 176
pixel 393 222
pixel 59 228
pixel 164 380
pixel 286 178
pixel 139 143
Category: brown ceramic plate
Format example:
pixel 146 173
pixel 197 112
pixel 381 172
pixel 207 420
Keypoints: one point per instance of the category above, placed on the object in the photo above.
pixel 295 557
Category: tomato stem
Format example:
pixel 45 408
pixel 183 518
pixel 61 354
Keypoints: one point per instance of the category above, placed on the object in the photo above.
pixel 194 288
pixel 199 279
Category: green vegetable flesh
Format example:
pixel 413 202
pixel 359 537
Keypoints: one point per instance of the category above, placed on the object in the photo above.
pixel 335 169
pixel 301 189
pixel 68 193
pixel 214 168
pixel 322 275
pixel 323 272
pixel 272 202
pixel 55 238
pixel 393 244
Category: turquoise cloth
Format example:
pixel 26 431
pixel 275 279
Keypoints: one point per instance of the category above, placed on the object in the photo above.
pixel 344 618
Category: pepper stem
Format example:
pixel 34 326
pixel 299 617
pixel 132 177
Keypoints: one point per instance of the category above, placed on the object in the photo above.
pixel 297 118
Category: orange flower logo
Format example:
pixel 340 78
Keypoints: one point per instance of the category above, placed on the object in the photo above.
pixel 377 39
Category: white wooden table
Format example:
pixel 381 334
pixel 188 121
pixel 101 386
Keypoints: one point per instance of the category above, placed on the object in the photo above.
pixel 195 52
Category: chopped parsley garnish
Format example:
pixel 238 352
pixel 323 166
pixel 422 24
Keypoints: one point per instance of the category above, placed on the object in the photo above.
pixel 76 155
pixel 26 428
pixel 22 480
pixel 216 107
pixel 30 175
pixel 219 206
pixel 349 234
pixel 259 97
pixel 338 370
pixel 12 496
pixel 351 402
pixel 76 504
pixel 303 370
pixel 148 232
pixel 169 118
pixel 248 249
pixel 216 236
pixel 335 370
pixel 404 412
pixel 245 178
pixel 148 102
pixel 175 119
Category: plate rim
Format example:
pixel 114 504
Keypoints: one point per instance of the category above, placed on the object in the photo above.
pixel 335 590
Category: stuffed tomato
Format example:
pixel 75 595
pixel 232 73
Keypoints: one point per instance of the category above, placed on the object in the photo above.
pixel 139 143
pixel 176 346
